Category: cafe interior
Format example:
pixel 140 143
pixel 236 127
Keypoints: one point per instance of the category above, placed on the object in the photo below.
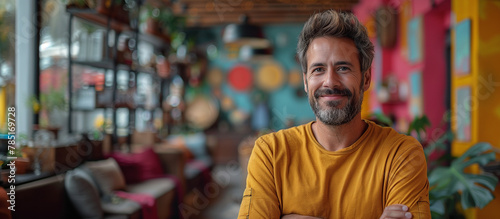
pixel 151 108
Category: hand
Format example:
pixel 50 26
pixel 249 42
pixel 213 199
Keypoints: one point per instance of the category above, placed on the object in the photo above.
pixel 396 211
pixel 297 216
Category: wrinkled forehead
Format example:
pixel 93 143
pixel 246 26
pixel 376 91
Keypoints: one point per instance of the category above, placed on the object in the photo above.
pixel 325 49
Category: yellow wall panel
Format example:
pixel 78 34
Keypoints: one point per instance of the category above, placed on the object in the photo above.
pixel 488 79
pixel 484 82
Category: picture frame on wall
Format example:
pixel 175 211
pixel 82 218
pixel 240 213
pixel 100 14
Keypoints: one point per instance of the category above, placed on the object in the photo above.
pixel 416 94
pixel 415 35
pixel 463 105
pixel 462 48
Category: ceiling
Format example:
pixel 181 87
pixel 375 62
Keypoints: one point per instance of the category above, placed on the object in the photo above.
pixel 203 13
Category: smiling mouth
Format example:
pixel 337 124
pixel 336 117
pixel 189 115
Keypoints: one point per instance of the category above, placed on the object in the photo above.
pixel 332 97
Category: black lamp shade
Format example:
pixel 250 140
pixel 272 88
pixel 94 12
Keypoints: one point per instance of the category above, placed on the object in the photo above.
pixel 244 34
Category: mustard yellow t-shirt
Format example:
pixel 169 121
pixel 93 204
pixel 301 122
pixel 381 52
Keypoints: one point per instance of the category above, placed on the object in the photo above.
pixel 289 172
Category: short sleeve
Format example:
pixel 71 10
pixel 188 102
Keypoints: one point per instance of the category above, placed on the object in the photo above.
pixel 408 182
pixel 259 198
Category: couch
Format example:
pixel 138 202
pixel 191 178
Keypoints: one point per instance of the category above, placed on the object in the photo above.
pixel 82 193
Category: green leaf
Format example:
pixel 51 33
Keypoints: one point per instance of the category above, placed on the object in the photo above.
pixel 440 177
pixel 381 117
pixel 475 153
pixel 476 197
pixel 472 185
pixel 475 188
pixel 438 208
pixel 419 124
pixel 439 143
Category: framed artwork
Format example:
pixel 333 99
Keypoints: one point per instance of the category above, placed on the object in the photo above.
pixel 416 95
pixel 462 47
pixel 463 113
pixel 415 39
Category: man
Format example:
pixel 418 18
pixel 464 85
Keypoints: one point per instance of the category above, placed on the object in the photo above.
pixel 338 166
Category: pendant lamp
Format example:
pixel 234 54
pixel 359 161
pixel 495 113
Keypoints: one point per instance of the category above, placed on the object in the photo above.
pixel 244 34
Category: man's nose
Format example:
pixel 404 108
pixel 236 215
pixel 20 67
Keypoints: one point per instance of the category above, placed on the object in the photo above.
pixel 332 79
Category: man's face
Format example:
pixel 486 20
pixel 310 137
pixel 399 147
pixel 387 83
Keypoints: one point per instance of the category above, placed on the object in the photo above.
pixel 333 80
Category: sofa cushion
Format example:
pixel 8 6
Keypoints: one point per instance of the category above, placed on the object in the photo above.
pixel 138 167
pixel 121 207
pixel 154 187
pixel 83 194
pixel 108 175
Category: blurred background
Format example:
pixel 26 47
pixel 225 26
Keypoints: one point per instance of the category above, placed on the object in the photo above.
pixel 196 82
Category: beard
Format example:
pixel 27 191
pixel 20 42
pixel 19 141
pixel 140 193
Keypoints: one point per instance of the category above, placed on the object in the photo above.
pixel 331 115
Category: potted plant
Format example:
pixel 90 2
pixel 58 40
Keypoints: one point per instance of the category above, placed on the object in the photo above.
pixel 51 106
pixel 451 185
pixel 22 162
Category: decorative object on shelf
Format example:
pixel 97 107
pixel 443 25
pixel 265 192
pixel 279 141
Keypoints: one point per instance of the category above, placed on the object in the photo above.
pixel 124 51
pixel 270 76
pixel 22 162
pixel 462 51
pixel 162 66
pixel 53 104
pixel 240 78
pixel 104 98
pixel 392 90
pixel 160 21
pixel 84 99
pixel 42 139
pixel 244 34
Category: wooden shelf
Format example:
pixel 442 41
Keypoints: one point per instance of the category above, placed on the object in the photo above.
pixel 102 64
pixel 95 64
pixel 93 16
pixel 161 41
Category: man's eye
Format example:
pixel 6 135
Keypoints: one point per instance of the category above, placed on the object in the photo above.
pixel 318 70
pixel 343 68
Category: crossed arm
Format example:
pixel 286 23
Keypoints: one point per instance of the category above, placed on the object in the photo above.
pixel 406 186
pixel 396 211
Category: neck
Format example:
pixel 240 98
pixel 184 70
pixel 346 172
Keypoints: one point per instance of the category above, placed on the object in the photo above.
pixel 334 138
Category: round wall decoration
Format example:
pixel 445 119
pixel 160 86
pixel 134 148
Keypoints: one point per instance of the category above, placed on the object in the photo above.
pixel 240 78
pixel 215 77
pixel 295 78
pixel 270 76
pixel 202 112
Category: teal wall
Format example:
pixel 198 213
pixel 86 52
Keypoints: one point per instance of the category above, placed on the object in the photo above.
pixel 283 103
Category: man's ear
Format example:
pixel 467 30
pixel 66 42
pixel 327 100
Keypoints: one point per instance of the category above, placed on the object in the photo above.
pixel 304 78
pixel 367 78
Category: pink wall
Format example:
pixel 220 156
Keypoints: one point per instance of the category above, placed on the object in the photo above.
pixel 436 23
pixel 433 64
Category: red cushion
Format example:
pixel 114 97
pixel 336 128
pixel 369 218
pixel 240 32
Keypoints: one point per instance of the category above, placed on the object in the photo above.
pixel 140 166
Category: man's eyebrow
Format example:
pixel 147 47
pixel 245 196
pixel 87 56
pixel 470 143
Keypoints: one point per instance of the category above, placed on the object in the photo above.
pixel 320 64
pixel 343 63
pixel 317 64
